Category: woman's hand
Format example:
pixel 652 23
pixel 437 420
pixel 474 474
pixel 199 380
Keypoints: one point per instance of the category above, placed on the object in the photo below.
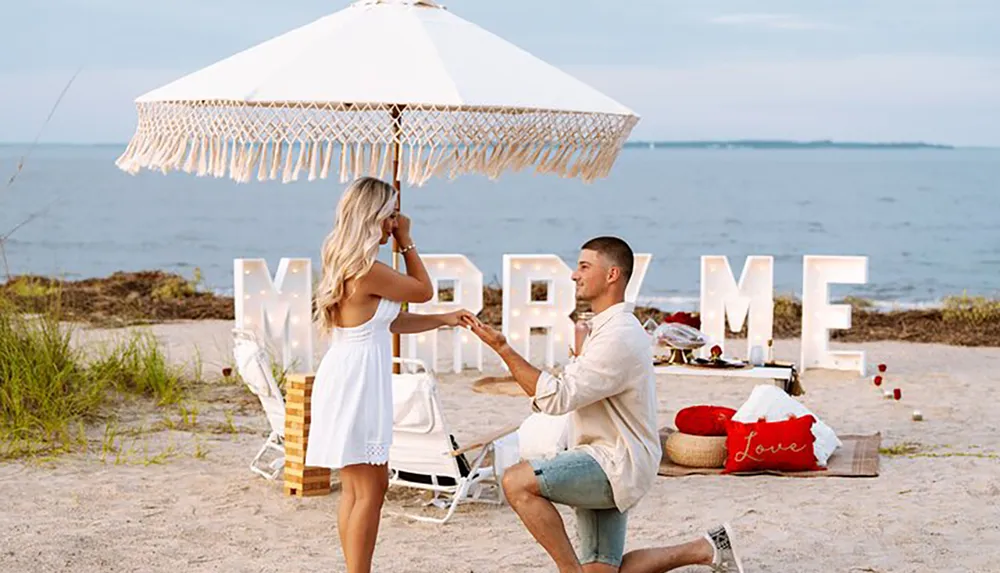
pixel 402 231
pixel 459 318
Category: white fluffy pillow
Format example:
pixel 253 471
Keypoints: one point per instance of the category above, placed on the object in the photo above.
pixel 774 405
pixel 542 435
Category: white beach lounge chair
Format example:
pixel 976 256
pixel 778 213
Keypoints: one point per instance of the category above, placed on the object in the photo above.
pixel 424 455
pixel 254 366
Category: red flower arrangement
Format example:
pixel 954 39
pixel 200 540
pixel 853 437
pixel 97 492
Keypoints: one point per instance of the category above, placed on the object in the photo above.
pixel 877 380
pixel 687 318
pixel 881 367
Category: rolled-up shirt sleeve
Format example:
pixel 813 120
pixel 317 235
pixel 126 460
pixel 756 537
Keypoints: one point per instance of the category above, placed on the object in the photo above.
pixel 595 375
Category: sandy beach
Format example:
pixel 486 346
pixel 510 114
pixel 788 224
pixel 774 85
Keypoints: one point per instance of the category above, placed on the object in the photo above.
pixel 178 495
pixel 824 171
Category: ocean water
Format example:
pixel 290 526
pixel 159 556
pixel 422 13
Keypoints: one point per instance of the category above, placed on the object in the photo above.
pixel 929 220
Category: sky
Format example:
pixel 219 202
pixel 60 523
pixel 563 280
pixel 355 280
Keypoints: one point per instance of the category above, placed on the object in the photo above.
pixel 858 70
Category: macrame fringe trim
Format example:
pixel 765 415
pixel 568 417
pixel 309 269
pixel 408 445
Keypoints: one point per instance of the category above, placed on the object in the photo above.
pixel 249 142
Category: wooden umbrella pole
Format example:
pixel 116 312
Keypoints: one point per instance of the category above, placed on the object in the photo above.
pixel 397 160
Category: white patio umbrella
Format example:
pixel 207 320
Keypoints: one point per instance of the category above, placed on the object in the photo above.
pixel 382 87
pixel 400 88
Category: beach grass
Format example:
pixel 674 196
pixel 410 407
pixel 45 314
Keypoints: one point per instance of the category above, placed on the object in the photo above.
pixel 972 310
pixel 49 390
pixel 44 390
pixel 136 365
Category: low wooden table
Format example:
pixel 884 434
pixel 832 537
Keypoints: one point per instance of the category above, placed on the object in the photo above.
pixel 783 376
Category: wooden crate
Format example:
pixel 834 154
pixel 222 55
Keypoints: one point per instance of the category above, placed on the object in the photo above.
pixel 300 480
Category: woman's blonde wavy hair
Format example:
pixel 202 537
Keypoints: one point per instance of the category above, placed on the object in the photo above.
pixel 350 250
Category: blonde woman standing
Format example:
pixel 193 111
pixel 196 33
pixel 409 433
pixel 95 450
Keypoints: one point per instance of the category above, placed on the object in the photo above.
pixel 358 302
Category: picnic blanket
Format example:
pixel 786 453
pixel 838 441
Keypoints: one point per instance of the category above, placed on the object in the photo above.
pixel 858 457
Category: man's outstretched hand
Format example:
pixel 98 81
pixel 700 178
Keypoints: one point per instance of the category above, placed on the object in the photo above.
pixel 486 333
pixel 524 373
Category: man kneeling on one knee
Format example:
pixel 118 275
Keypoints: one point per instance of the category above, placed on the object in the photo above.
pixel 614 448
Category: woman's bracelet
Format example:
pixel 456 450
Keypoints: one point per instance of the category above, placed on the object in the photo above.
pixel 407 248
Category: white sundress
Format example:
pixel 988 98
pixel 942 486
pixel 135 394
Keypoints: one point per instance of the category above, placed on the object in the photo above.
pixel 352 395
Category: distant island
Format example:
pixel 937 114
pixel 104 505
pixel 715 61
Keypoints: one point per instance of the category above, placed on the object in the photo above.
pixel 779 144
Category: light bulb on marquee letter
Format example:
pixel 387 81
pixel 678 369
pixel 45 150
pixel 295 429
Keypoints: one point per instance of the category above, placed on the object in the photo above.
pixel 520 272
pixel 819 316
pixel 465 282
pixel 722 298
pixel 278 310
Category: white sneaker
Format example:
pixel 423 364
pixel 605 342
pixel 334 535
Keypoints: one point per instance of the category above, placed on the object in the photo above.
pixel 725 560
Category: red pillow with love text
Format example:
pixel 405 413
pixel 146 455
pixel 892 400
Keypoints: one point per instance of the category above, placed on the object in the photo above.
pixel 785 446
pixel 703 420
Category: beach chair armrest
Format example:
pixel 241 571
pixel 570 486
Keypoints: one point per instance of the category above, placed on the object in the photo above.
pixel 484 440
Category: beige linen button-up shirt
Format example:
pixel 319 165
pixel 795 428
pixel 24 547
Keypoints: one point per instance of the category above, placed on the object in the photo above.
pixel 611 391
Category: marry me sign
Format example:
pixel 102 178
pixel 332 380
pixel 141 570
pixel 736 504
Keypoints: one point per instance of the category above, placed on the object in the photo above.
pixel 539 296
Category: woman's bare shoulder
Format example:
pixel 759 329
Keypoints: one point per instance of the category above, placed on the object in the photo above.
pixel 377 275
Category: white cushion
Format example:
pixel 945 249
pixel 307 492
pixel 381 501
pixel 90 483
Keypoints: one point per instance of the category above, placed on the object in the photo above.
pixel 775 405
pixel 506 453
pixel 542 435
pixel 412 403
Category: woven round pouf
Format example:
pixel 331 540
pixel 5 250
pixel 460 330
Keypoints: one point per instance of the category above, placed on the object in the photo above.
pixel 696 451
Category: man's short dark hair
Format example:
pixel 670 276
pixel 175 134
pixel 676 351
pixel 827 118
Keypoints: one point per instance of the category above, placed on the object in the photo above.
pixel 614 250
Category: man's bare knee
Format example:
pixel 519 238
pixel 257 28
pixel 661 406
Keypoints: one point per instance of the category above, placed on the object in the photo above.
pixel 519 481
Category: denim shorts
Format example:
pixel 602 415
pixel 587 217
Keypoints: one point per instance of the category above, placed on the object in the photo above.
pixel 574 478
